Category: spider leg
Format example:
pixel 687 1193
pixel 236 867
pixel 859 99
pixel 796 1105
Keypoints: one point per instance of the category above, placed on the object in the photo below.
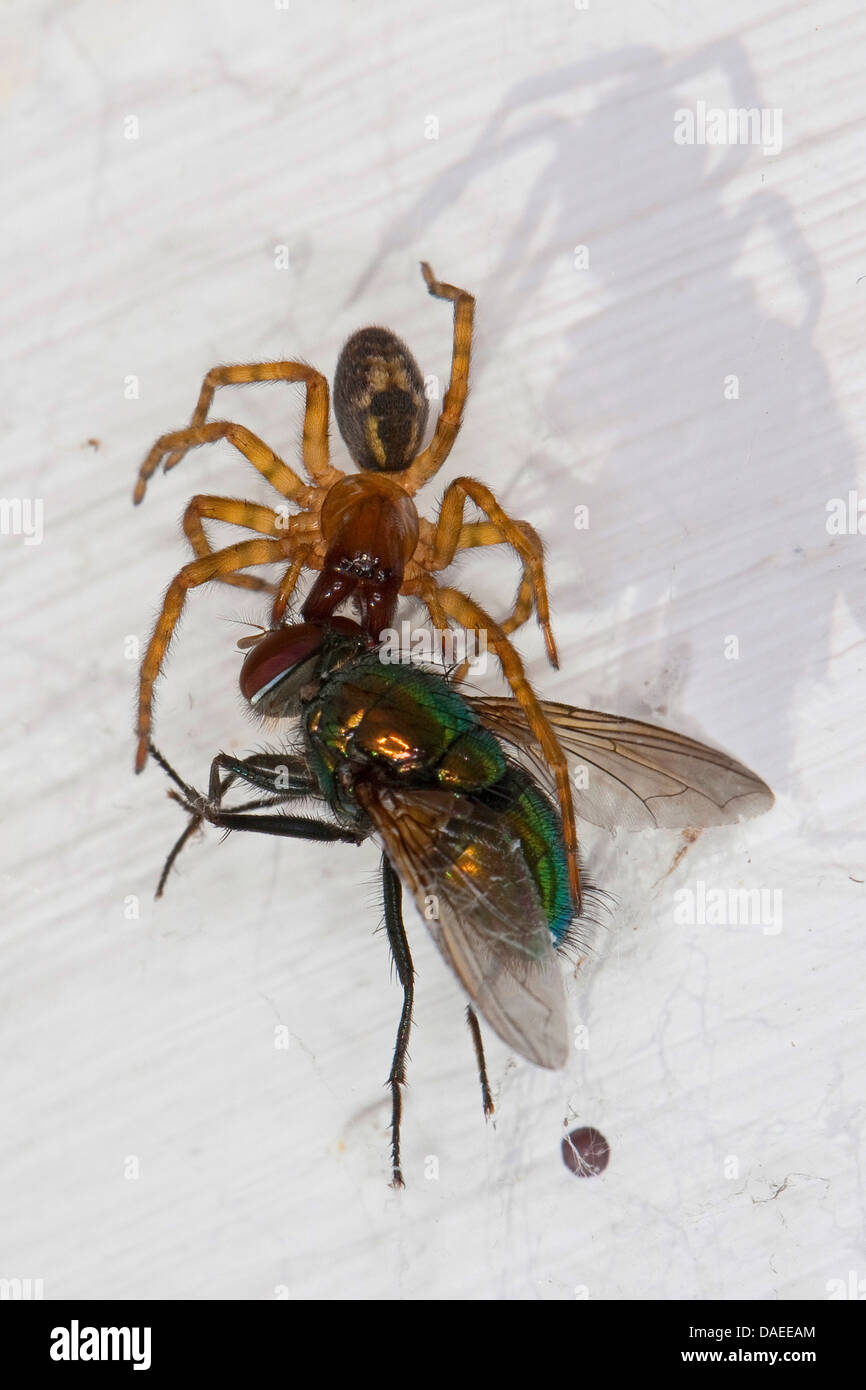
pixel 523 605
pixel 474 533
pixel 235 513
pixel 417 581
pixel 256 518
pixel 518 534
pixel 431 459
pixel 213 566
pixel 473 617
pixel 316 410
pixel 288 584
pixel 269 464
pixel 479 533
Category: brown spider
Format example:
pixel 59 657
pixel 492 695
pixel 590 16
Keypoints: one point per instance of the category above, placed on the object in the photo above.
pixel 361 532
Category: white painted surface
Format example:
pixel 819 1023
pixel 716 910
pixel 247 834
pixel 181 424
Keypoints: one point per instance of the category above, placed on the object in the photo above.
pixel 154 257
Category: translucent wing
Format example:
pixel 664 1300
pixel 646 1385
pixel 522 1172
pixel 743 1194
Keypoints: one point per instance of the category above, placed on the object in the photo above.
pixel 471 884
pixel 638 775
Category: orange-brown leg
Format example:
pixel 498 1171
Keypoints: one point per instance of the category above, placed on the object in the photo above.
pixel 518 534
pixel 256 518
pixel 428 591
pixel 417 581
pixel 523 606
pixel 213 566
pixel 316 412
pixel 269 464
pixel 287 585
pixel 431 459
pixel 235 513
pixel 471 616
pixel 486 533
pixel 478 533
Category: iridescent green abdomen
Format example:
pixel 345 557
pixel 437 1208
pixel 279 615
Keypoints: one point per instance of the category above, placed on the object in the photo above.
pixel 534 820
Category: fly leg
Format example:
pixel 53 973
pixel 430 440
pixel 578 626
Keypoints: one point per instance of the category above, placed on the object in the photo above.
pixel 475 1030
pixel 392 893
pixel 282 776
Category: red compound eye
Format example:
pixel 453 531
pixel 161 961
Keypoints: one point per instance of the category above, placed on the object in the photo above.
pixel 285 659
pixel 275 655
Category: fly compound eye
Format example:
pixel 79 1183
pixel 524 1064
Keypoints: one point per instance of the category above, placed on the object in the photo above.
pixel 284 662
pixel 278 666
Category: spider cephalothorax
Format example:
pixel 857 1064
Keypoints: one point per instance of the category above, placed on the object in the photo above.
pixel 360 532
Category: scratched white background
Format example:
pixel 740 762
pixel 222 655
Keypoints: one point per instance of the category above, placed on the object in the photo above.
pixel 725 1064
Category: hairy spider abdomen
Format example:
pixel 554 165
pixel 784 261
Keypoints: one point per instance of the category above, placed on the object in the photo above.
pixel 379 400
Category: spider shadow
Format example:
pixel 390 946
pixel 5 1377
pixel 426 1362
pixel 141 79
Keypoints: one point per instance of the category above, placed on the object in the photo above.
pixel 654 360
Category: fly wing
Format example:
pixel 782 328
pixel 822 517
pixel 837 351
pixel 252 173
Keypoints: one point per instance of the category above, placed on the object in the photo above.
pixel 471 884
pixel 638 774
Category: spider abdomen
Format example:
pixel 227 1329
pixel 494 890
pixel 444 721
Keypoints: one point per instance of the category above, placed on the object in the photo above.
pixel 379 400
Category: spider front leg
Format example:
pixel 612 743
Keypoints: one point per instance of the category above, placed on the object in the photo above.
pixel 263 458
pixel 449 534
pixel 215 565
pixel 431 459
pixel 233 513
pixel 472 616
pixel 304 559
pixel 256 518
pixel 316 410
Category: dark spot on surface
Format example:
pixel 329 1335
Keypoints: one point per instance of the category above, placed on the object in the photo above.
pixel 585 1152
